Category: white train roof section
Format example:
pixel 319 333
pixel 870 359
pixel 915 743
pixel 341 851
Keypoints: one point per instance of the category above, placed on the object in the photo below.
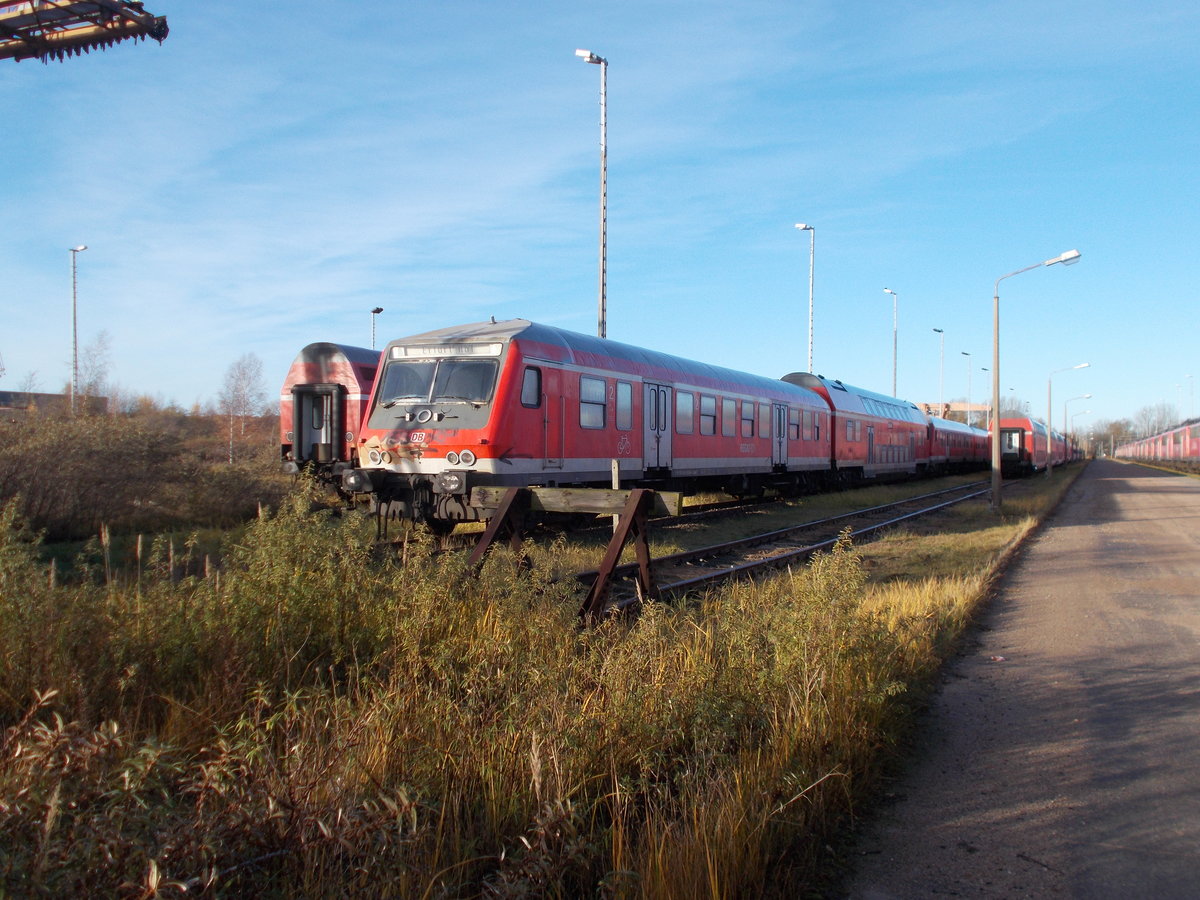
pixel 572 348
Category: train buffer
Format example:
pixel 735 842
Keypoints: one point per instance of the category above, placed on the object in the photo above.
pixel 632 508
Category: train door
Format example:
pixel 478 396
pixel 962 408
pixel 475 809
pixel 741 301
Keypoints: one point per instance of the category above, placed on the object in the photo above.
pixel 870 444
pixel 317 413
pixel 779 441
pixel 656 426
pixel 553 418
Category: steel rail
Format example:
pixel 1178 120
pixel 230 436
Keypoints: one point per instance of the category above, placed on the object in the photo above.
pixel 776 535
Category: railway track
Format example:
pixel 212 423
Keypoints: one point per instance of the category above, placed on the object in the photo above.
pixel 689 571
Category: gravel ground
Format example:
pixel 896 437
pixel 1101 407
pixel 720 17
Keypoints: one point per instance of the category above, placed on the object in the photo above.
pixel 1061 756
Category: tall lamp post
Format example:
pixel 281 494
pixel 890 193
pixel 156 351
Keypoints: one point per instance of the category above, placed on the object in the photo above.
pixel 967 413
pixel 1082 412
pixel 75 251
pixel 1049 408
pixel 812 257
pixel 1071 256
pixel 1072 399
pixel 376 311
pixel 941 371
pixel 987 412
pixel 895 332
pixel 589 57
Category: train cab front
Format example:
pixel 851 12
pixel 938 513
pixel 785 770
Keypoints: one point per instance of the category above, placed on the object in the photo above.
pixel 425 442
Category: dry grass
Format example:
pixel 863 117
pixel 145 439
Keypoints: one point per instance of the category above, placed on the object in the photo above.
pixel 316 719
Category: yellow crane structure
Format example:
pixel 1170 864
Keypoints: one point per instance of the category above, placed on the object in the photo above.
pixel 56 29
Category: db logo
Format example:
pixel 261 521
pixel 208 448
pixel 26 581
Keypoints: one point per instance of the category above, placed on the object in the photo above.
pixel 417 437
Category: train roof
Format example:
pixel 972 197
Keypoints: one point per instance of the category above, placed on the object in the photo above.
pixel 326 350
pixel 561 345
pixel 1031 424
pixel 957 427
pixel 848 398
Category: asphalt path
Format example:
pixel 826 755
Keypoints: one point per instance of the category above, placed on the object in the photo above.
pixel 1061 756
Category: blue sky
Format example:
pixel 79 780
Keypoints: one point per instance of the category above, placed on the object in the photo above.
pixel 273 171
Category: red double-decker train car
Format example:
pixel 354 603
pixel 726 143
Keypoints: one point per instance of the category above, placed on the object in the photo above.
pixel 321 407
pixel 1024 446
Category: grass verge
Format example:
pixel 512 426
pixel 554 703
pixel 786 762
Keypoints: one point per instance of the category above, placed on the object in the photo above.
pixel 316 719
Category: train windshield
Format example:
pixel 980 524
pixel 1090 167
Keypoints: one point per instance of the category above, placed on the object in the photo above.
pixel 438 381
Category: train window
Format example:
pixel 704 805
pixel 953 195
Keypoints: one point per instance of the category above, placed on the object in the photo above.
pixel 405 380
pixel 809 420
pixel 708 414
pixel 747 419
pixel 624 405
pixel 318 416
pixel 729 417
pixel 591 402
pixel 685 403
pixel 793 424
pixel 851 430
pixel 818 418
pixel 464 379
pixel 764 419
pixel 531 387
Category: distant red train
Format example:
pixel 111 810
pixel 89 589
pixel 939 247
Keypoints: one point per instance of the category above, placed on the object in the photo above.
pixel 321 407
pixel 1027 447
pixel 1178 446
pixel 517 403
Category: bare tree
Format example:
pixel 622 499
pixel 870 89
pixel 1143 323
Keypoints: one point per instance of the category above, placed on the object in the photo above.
pixel 242 394
pixel 1155 418
pixel 94 361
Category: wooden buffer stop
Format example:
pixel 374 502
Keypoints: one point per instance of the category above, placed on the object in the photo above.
pixel 632 509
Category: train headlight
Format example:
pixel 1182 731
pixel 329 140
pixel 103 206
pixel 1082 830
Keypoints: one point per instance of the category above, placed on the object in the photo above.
pixel 374 457
pixel 450 483
pixel 467 458
pixel 452 458
pixel 385 457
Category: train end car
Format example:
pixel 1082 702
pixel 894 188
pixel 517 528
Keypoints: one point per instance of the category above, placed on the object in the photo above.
pixel 321 406
pixel 1024 446
pixel 520 404
pixel 874 436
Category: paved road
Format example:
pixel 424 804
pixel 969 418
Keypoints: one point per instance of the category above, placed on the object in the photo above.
pixel 1062 755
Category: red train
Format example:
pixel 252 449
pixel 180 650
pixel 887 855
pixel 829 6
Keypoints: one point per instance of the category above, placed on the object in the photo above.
pixel 321 408
pixel 518 403
pixel 1178 447
pixel 1027 447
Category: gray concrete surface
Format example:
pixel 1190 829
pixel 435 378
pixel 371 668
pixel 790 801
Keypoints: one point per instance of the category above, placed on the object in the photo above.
pixel 1061 756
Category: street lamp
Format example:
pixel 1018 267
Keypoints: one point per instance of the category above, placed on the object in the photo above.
pixel 812 256
pixel 941 371
pixel 895 331
pixel 589 57
pixel 1082 412
pixel 1068 258
pixel 376 311
pixel 987 411
pixel 1065 402
pixel 75 251
pixel 967 412
pixel 1049 426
